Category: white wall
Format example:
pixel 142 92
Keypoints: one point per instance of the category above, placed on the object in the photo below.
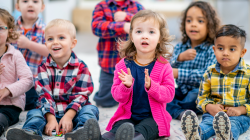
pixel 58 9
pixel 7 5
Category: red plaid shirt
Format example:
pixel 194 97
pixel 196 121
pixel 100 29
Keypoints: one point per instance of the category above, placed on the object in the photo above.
pixel 104 26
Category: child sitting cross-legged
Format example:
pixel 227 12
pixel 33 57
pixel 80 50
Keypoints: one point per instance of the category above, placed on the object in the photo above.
pixel 63 85
pixel 224 91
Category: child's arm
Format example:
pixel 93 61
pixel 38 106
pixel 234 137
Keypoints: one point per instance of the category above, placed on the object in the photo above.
pixel 66 121
pixel 120 92
pixel 24 42
pixel 24 75
pixel 194 76
pixel 51 124
pixel 82 88
pixel 164 90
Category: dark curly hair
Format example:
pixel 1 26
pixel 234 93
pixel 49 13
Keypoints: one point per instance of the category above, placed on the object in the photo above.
pixel 164 48
pixel 213 22
pixel 9 20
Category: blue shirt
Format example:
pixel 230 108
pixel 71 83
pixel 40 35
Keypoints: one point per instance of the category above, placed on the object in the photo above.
pixel 140 107
pixel 190 72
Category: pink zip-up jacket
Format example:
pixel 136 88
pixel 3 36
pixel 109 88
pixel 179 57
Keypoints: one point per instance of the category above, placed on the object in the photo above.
pixel 160 93
pixel 15 68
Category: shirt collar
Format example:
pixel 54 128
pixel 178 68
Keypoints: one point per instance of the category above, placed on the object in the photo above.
pixel 240 67
pixel 127 2
pixel 38 24
pixel 73 61
pixel 202 46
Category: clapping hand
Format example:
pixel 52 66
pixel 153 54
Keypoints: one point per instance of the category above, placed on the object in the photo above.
pixel 147 79
pixel 126 79
pixel 1 68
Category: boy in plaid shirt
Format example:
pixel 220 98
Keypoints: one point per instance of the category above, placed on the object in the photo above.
pixel 63 85
pixel 224 91
pixel 31 42
pixel 111 21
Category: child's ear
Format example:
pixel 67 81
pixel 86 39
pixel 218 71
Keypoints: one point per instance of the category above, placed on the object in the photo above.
pixel 214 48
pixel 74 42
pixel 17 7
pixel 243 52
pixel 43 7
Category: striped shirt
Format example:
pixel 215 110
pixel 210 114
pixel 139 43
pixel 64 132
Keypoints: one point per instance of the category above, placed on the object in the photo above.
pixel 63 89
pixel 36 34
pixel 230 89
pixel 190 72
pixel 109 31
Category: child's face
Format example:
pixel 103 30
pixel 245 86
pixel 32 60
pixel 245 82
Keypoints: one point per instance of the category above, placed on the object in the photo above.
pixel 196 25
pixel 30 8
pixel 59 42
pixel 145 35
pixel 228 51
pixel 3 33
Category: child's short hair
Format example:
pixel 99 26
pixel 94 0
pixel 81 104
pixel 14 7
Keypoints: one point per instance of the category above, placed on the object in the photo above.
pixel 232 31
pixel 10 22
pixel 213 21
pixel 128 49
pixel 18 1
pixel 62 23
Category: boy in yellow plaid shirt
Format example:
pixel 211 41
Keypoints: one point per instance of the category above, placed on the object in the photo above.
pixel 224 91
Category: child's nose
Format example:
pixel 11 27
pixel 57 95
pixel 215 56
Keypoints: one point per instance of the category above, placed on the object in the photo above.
pixel 145 36
pixel 225 52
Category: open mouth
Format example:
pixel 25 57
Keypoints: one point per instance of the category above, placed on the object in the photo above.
pixel 56 49
pixel 144 43
pixel 30 10
pixel 193 31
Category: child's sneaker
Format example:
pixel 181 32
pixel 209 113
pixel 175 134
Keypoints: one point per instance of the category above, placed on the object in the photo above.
pixel 20 134
pixel 189 125
pixel 125 132
pixel 90 131
pixel 222 126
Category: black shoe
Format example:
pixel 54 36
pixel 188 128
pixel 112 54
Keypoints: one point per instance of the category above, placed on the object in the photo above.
pixel 108 136
pixel 222 126
pixel 189 125
pixel 20 134
pixel 91 130
pixel 75 135
pixel 125 132
pixel 138 136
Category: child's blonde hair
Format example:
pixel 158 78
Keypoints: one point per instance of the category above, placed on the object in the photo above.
pixel 18 1
pixel 62 23
pixel 213 22
pixel 10 22
pixel 128 48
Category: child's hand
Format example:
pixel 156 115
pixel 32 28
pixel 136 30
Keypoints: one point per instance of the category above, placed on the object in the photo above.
pixel 147 79
pixel 4 93
pixel 66 124
pixel 51 125
pixel 126 79
pixel 1 68
pixel 120 16
pixel 126 27
pixel 23 42
pixel 189 54
pixel 213 109
pixel 235 111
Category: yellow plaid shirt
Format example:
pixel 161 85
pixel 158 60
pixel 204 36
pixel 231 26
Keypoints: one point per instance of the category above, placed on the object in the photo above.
pixel 230 89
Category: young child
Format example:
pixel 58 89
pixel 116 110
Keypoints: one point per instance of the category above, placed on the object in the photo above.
pixel 63 85
pixel 111 21
pixel 224 88
pixel 143 82
pixel 192 56
pixel 31 42
pixel 15 76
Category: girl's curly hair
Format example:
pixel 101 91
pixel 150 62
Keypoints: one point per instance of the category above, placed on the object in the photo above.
pixel 10 22
pixel 213 22
pixel 128 49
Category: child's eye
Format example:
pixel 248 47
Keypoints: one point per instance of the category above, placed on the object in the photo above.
pixel 61 37
pixel 188 20
pixel 201 21
pixel 151 32
pixel 220 48
pixel 232 49
pixel 1 28
pixel 138 32
pixel 25 1
pixel 35 1
pixel 50 39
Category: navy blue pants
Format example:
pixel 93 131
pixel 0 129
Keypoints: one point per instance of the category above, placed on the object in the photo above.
pixel 182 102
pixel 104 97
pixel 31 99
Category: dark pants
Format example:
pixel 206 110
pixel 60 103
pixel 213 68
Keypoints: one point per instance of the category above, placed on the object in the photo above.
pixel 182 102
pixel 104 97
pixel 147 127
pixel 11 113
pixel 31 99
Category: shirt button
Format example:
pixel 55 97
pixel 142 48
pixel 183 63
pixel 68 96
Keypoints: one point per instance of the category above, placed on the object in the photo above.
pixel 73 80
pixel 57 84
pixel 60 71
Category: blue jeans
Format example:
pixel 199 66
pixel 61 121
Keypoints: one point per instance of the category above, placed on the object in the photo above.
pixel 36 122
pixel 182 102
pixel 239 125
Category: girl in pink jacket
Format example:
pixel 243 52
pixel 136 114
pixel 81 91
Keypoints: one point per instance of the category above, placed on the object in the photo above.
pixel 15 75
pixel 143 83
